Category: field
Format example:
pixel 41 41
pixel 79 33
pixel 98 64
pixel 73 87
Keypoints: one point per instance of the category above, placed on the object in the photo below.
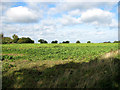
pixel 60 65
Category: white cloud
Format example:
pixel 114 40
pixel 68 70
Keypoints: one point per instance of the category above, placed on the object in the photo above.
pixel 114 24
pixel 91 0
pixel 53 27
pixel 75 12
pixel 21 15
pixel 69 20
pixel 97 17
pixel 82 5
pixel 61 0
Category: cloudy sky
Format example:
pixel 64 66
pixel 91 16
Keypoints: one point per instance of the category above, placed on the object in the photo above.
pixel 94 21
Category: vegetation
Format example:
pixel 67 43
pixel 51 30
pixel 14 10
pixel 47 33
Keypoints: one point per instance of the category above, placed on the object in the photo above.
pixel 6 40
pixel 116 42
pixel 60 65
pixel 25 40
pixel 16 39
pixel 66 42
pixel 42 41
pixel 107 42
pixel 54 41
pixel 78 41
pixel 58 51
pixel 95 74
pixel 88 41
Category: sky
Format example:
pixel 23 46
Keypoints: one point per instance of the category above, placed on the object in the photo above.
pixel 71 20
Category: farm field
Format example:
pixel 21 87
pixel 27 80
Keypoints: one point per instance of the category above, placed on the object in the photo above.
pixel 59 65
pixel 34 52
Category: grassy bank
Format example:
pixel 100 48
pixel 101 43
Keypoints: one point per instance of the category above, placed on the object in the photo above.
pixel 95 74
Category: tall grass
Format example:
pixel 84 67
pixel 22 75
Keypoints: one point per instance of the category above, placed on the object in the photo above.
pixel 95 74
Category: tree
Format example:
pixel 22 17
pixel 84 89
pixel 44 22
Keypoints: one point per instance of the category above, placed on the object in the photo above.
pixel 66 42
pixel 45 41
pixel 15 38
pixel 107 42
pixel 6 40
pixel 88 41
pixel 116 42
pixel 25 40
pixel 54 41
pixel 1 37
pixel 42 41
pixel 78 41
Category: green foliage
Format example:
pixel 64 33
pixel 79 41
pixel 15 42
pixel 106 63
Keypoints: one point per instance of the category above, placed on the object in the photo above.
pixel 25 40
pixel 55 66
pixel 88 41
pixel 6 40
pixel 107 42
pixel 66 42
pixel 15 38
pixel 7 66
pixel 6 57
pixel 116 42
pixel 59 51
pixel 95 74
pixel 1 35
pixel 78 41
pixel 54 41
pixel 42 41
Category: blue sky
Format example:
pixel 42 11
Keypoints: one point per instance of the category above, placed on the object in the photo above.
pixel 94 21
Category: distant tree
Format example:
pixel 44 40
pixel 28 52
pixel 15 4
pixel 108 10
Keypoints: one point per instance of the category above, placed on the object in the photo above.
pixel 88 41
pixel 63 42
pixel 42 41
pixel 54 41
pixel 15 38
pixel 116 42
pixel 66 42
pixel 25 40
pixel 1 35
pixel 78 41
pixel 6 40
pixel 45 41
pixel 104 42
pixel 107 42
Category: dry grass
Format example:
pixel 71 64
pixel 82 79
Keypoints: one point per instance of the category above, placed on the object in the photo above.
pixel 99 73
pixel 11 54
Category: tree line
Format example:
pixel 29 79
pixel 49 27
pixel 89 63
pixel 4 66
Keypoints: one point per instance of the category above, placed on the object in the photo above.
pixel 16 39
